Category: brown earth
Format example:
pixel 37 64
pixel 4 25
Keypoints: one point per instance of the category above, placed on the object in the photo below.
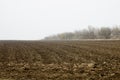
pixel 60 60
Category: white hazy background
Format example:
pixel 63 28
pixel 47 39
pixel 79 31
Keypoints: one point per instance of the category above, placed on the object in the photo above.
pixel 35 19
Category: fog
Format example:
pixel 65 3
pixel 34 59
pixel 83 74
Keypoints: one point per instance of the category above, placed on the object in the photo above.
pixel 36 19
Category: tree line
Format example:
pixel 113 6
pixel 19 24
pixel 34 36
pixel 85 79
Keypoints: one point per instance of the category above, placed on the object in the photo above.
pixel 89 33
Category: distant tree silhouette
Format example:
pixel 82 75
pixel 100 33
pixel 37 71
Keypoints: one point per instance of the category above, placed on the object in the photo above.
pixel 89 33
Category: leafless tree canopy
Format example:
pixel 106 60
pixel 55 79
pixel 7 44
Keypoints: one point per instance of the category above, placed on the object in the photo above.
pixel 90 33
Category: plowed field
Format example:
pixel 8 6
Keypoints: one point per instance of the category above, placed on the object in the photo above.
pixel 60 60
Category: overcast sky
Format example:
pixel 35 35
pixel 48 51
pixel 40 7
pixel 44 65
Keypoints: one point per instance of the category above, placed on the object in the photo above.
pixel 35 19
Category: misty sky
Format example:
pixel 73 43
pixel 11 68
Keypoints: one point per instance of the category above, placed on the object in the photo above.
pixel 35 19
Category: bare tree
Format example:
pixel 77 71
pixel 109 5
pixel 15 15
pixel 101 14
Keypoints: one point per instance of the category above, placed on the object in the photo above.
pixel 105 32
pixel 91 32
pixel 116 32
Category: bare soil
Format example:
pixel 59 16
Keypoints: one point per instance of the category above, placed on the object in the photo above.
pixel 60 60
